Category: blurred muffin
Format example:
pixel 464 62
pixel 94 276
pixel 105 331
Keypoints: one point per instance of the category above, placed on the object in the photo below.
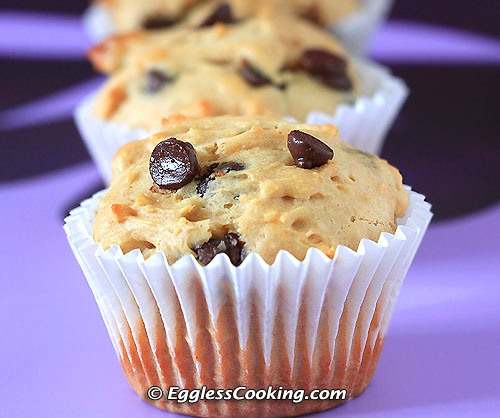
pixel 282 67
pixel 277 67
pixel 129 15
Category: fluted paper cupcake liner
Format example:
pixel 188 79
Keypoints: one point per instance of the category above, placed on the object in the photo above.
pixel 317 323
pixel 97 23
pixel 363 124
pixel 354 30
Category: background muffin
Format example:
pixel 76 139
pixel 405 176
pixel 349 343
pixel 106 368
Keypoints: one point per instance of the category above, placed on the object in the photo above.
pixel 259 67
pixel 129 15
pixel 258 39
pixel 353 21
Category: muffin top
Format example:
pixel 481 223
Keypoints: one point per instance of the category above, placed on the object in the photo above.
pixel 277 67
pixel 127 15
pixel 272 42
pixel 240 185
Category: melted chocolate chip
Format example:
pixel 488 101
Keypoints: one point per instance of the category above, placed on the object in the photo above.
pixel 234 248
pixel 157 22
pixel 369 159
pixel 206 252
pixel 230 245
pixel 216 170
pixel 222 14
pixel 253 76
pixel 173 164
pixel 227 167
pixel 202 186
pixel 327 68
pixel 155 81
pixel 308 151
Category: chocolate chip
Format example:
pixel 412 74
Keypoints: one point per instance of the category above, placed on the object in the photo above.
pixel 320 61
pixel 328 68
pixel 313 15
pixel 253 76
pixel 156 80
pixel 157 22
pixel 227 167
pixel 339 82
pixel 308 151
pixel 202 186
pixel 206 252
pixel 216 170
pixel 222 14
pixel 234 248
pixel 173 164
pixel 230 245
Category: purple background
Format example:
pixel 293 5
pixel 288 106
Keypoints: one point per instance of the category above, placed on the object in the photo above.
pixel 441 358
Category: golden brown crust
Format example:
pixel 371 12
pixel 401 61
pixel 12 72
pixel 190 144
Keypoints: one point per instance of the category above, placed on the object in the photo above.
pixel 128 15
pixel 116 96
pixel 189 58
pixel 103 55
pixel 271 42
pixel 355 196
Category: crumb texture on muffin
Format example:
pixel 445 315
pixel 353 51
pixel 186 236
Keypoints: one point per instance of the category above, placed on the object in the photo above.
pixel 279 66
pixel 128 15
pixel 248 185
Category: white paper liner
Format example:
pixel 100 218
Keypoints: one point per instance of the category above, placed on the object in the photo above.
pixel 364 124
pixel 354 30
pixel 97 23
pixel 103 139
pixel 357 289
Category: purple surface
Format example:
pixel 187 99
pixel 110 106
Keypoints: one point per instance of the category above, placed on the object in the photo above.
pixel 440 359
pixel 63 37
pixel 57 36
pixel 407 42
pixel 58 106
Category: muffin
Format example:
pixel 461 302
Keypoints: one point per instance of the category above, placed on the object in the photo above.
pixel 352 20
pixel 236 251
pixel 130 15
pixel 258 67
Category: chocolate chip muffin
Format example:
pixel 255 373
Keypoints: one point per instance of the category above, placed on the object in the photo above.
pixel 248 253
pixel 128 15
pixel 242 185
pixel 274 66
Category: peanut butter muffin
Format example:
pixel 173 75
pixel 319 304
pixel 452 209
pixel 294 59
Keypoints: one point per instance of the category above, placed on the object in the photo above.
pixel 275 42
pixel 259 67
pixel 200 187
pixel 252 261
pixel 128 15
